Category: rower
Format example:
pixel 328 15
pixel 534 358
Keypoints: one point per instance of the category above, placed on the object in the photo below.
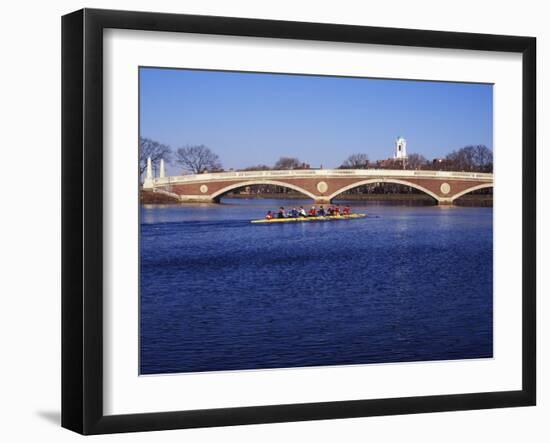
pixel 347 210
pixel 281 213
pixel 302 212
pixel 269 215
pixel 321 211
pixel 312 212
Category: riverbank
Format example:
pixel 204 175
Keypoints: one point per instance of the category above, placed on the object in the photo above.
pixel 346 197
pixel 155 198
pixel 472 199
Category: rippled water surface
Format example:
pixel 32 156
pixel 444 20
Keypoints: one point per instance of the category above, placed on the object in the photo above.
pixel 408 283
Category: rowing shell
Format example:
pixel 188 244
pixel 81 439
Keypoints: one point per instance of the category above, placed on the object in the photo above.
pixel 307 219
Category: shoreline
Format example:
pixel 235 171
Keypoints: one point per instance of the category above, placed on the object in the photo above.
pixel 482 199
pixel 148 197
pixel 349 197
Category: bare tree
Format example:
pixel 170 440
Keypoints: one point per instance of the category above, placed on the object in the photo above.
pixel 471 158
pixel 197 159
pixel 356 161
pixel 483 158
pixel 153 149
pixel 288 163
pixel 416 161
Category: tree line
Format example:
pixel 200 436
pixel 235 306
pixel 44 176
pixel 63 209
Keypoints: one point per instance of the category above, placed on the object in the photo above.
pixel 471 158
pixel 197 159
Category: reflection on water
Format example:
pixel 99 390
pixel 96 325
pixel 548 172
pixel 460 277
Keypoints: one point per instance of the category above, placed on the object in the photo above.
pixel 407 283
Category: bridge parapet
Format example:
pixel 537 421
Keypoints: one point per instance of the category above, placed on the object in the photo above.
pixel 308 173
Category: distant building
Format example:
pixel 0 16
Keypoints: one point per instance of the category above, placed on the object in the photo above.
pixel 385 164
pixel 400 149
pixel 441 164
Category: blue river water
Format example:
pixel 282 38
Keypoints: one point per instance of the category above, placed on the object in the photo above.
pixel 408 283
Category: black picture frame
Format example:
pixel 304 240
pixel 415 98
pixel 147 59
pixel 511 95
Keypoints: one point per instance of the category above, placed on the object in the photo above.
pixel 82 218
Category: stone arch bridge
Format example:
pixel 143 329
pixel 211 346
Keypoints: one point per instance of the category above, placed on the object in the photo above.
pixel 320 185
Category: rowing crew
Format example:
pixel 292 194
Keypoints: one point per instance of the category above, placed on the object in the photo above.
pixel 313 212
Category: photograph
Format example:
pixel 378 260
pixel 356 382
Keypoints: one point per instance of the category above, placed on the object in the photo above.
pixel 293 220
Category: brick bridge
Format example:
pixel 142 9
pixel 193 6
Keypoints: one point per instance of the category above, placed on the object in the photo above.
pixel 321 185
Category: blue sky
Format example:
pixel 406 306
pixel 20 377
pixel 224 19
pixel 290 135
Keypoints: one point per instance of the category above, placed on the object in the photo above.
pixel 250 118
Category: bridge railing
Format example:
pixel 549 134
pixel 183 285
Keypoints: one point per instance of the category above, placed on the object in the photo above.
pixel 308 173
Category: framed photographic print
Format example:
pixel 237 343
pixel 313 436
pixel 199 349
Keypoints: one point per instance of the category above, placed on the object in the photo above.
pixel 269 221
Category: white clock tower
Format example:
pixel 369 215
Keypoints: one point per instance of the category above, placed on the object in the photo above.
pixel 400 149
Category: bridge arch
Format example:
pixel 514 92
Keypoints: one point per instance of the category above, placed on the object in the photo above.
pixel 216 195
pixel 383 180
pixel 472 189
